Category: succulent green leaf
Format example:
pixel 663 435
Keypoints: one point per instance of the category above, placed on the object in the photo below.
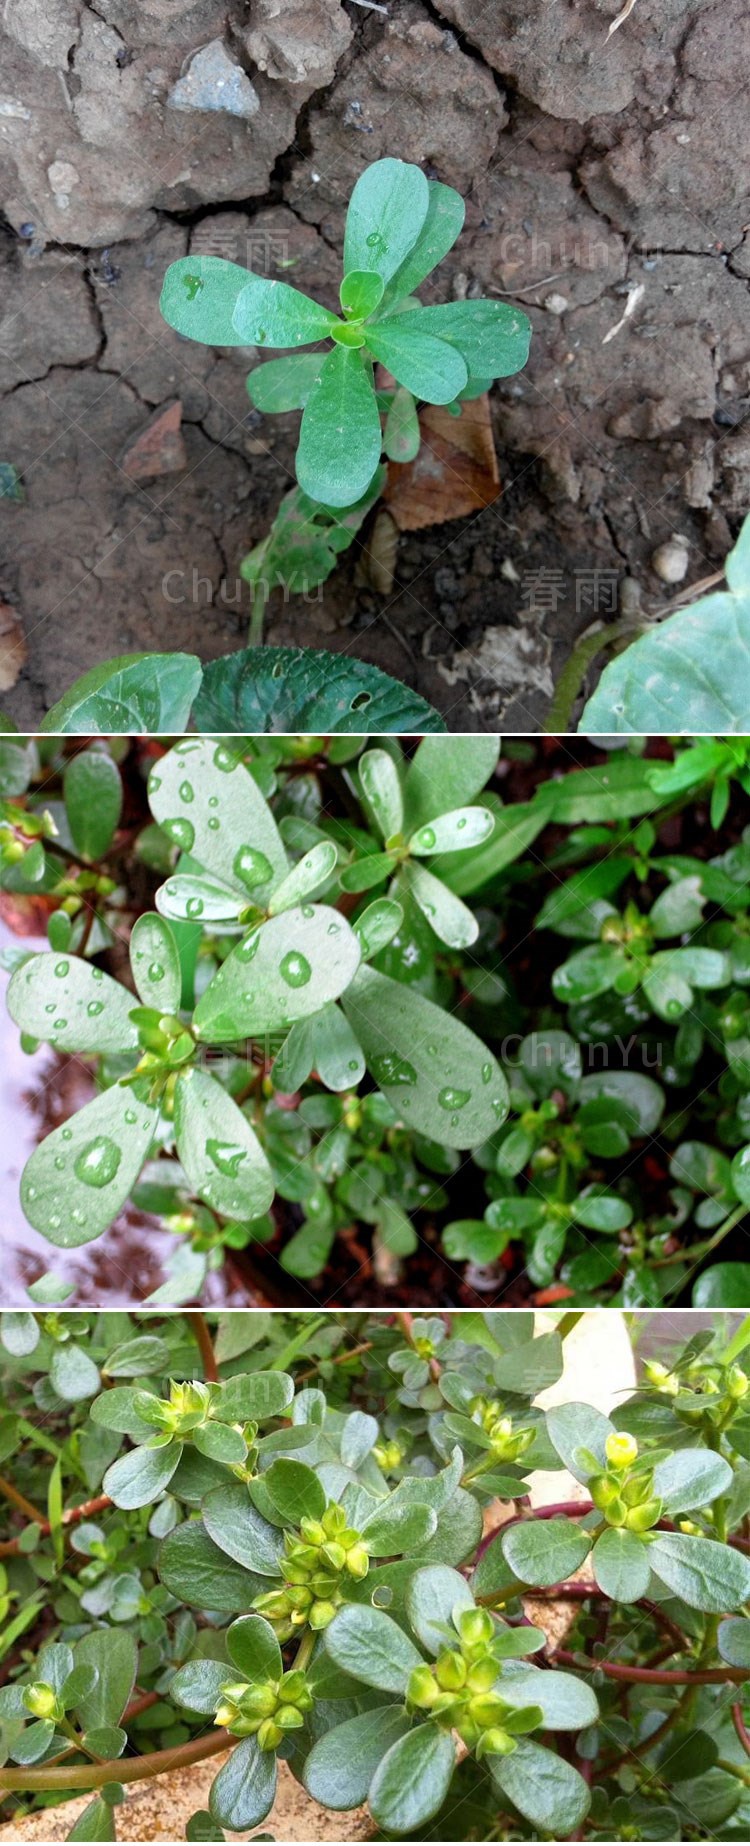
pixel 566 1703
pixel 368 1644
pixel 189 897
pixel 211 807
pixel 286 969
pixel 704 1574
pixel 620 1563
pixel 199 1573
pixel 450 918
pixel 492 338
pixel 295 1490
pixel 442 225
pixel 220 1152
pixel 387 211
pixel 440 780
pixel 413 1779
pixel 578 1431
pixel 690 1479
pixel 198 1685
pixel 548 1791
pixel 155 961
pixel 546 1551
pixel 431 1598
pixel 254 1649
pixel 377 925
pixel 274 314
pixel 241 1532
pixel 78 1178
pixel 428 367
pixel 136 1478
pixel 199 296
pixel 92 788
pixel 340 435
pixel 337 1056
pixel 456 831
pixel 114 1654
pixel 402 435
pixel 306 878
pixel 381 788
pixel 433 1070
pixel 341 1765
pixel 361 292
pixel 244 1788
pixel 283 384
pixel 72 1004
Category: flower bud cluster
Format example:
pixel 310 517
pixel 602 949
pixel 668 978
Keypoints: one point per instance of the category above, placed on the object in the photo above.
pixel 42 1701
pixel 267 1709
pixel 188 1406
pixel 458 1691
pixel 724 1388
pixel 507 1444
pixel 388 1455
pixel 320 1558
pixel 20 830
pixel 624 1492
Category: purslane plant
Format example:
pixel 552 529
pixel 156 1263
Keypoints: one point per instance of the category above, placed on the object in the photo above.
pixel 225 1542
pixel 399 226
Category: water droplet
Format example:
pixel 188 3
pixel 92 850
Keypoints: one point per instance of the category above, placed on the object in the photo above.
pixel 181 831
pixel 94 1008
pixel 130 1117
pixel 195 906
pixel 59 1162
pixel 376 242
pixel 214 824
pixel 390 1068
pixel 186 792
pixel 499 1108
pixel 154 784
pixel 295 969
pixel 450 1098
pixel 155 971
pixel 226 1157
pixel 50 1007
pixel 353 1064
pixel 426 838
pixel 61 969
pixel 251 867
pixel 249 947
pixel 60 1025
pixel 223 759
pixel 486 1073
pixel 213 801
pixel 31 1192
pixel 308 910
pixel 461 824
pixel 334 929
pixel 674 1009
pixel 54 1221
pixel 97 1163
pixel 97 974
pixel 78 1216
pixel 67 1134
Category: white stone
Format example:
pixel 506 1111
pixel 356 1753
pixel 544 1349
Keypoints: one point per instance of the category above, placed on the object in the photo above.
pixel 214 81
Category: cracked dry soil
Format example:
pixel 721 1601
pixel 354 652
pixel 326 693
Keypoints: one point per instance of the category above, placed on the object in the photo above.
pixel 591 167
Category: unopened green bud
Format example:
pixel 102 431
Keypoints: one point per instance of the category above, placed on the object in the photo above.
pixel 357 1561
pixel 312 1531
pixel 617 1512
pixel 422 1689
pixel 289 1718
pixel 475 1626
pixel 737 1382
pixel 661 1378
pixel 495 1742
pixel 450 1672
pixel 334 1521
pixel 621 1450
pixel 482 1675
pixel 602 1491
pixel 260 1700
pixel 269 1735
pixel 489 1708
pixel 321 1614
pixel 42 1701
pixel 642 1518
pixel 334 1555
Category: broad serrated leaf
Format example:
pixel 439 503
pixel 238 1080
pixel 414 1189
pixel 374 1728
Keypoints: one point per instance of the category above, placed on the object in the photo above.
pixel 72 1004
pixel 273 689
pixel 137 694
pixel 433 1070
pixel 220 1152
pixel 284 970
pixel 75 1182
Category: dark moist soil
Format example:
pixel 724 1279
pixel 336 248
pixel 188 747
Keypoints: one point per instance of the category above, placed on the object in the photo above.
pixel 592 167
pixel 38 1093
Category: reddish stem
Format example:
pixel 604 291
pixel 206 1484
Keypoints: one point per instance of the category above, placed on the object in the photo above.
pixel 741 1728
pixel 656 1676
pixel 86 1510
pixel 205 1345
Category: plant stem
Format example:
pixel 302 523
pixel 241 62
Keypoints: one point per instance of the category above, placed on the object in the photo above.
pixel 340 1359
pixel 696 1253
pixel 257 615
pixel 21 1503
pixel 119 1769
pixel 205 1344
pixel 657 1676
pixel 741 1728
pixel 304 1651
pixel 10 1546
pixel 585 651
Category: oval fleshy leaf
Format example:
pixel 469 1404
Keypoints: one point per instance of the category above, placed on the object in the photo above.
pixel 451 919
pixel 136 694
pixel 307 877
pixel 430 368
pixel 433 1070
pixel 283 384
pixel 360 293
pixel 492 338
pixel 210 806
pixel 286 969
pixel 198 298
pixel 72 1004
pixel 92 787
pixel 221 1155
pixel 155 961
pixel 443 224
pixel 340 436
pixel 413 1779
pixel 387 210
pixel 274 314
pixel 76 1181
pixel 189 898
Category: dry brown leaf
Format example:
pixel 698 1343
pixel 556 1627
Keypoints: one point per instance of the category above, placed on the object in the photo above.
pixel 12 647
pixel 159 448
pixel 455 472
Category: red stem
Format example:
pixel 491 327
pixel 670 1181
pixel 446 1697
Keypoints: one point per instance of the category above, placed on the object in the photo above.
pixel 741 1728
pixel 9 1546
pixel 658 1676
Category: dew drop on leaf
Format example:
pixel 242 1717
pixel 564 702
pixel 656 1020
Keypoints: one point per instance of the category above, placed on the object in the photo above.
pixel 390 1068
pixel 426 837
pixel 226 1157
pixel 308 910
pixel 249 947
pixel 223 759
pixel 130 1117
pixel 94 1008
pixel 186 792
pixel 156 971
pixel 61 969
pixel 194 906
pixel 97 1163
pixel 251 867
pixel 295 969
pixel 60 1024
pixel 50 1007
pixel 450 1098
pixel 181 831
pixel 486 1073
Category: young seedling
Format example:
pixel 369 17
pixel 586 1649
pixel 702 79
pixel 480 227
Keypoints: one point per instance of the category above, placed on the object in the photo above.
pixel 399 226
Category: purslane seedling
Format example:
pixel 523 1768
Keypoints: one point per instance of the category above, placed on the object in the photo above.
pixel 399 226
pixel 294 1553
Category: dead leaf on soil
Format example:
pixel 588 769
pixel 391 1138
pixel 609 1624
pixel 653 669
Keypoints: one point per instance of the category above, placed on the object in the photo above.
pixel 455 472
pixel 159 448
pixel 12 647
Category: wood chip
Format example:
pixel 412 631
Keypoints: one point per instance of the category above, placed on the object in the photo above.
pixel 12 647
pixel 455 472
pixel 159 448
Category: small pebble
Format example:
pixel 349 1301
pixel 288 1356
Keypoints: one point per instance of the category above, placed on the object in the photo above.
pixel 670 560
